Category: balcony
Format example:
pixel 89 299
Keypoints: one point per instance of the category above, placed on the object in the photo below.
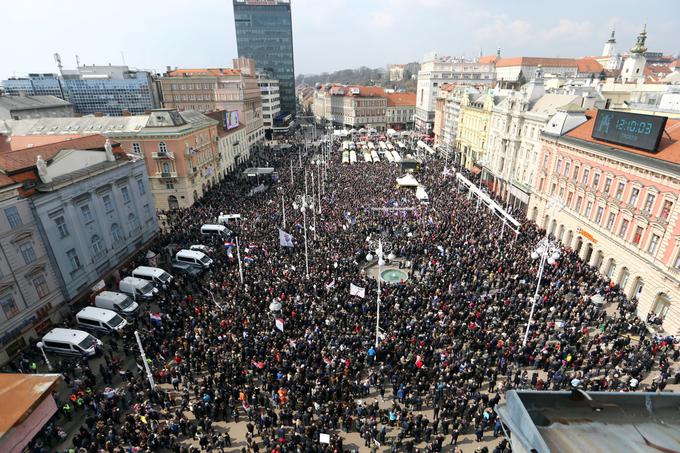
pixel 159 174
pixel 163 155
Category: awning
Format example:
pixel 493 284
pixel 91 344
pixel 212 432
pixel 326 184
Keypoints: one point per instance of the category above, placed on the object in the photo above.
pixel 421 194
pixel 407 181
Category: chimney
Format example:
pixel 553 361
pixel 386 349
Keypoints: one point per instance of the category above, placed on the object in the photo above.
pixel 98 114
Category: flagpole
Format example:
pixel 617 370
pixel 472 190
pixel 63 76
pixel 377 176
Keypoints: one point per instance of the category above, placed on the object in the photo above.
pixel 377 318
pixel 283 206
pixel 238 255
pixel 291 173
pixel 313 210
pixel 318 192
pixel 146 364
pixel 304 219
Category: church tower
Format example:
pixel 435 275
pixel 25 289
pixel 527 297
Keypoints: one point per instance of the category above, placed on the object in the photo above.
pixel 610 46
pixel 634 66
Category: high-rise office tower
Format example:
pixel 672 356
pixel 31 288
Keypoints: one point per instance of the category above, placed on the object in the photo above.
pixel 264 33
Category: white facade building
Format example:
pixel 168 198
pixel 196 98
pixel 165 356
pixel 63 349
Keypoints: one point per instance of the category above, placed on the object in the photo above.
pixel 271 100
pixel 436 71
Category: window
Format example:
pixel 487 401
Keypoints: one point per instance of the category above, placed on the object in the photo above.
pixel 162 148
pixel 634 194
pixel 126 194
pixel 596 181
pixel 619 190
pixel 147 211
pixel 108 204
pixel 624 228
pixel 653 243
pixel 666 210
pixel 97 246
pixel 132 222
pixel 27 252
pixel 545 161
pixel 40 285
pixel 9 307
pixel 117 233
pixel 567 166
pixel 86 212
pixel 579 200
pixel 649 202
pixel 677 262
pixel 607 185
pixel 559 166
pixel 569 198
pixel 598 215
pixel 584 178
pixel 141 186
pixel 13 217
pixel 72 256
pixel 61 227
pixel 589 209
pixel 576 170
pixel 610 221
pixel 136 148
pixel 169 185
pixel 638 235
pixel 166 167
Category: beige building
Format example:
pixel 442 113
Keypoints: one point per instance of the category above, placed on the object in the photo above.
pixel 620 213
pixel 207 90
pixel 473 129
pixel 351 106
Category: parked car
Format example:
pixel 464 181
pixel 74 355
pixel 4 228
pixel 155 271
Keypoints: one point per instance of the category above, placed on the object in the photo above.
pixel 71 342
pixel 188 269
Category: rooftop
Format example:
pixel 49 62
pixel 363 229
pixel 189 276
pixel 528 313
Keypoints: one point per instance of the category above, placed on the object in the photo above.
pixel 604 422
pixel 31 102
pixel 210 72
pixel 669 146
pixel 405 99
pixel 487 59
pixel 20 394
pixel 588 65
pixel 535 61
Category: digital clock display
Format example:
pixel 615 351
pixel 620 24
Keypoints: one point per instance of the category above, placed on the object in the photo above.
pixel 629 129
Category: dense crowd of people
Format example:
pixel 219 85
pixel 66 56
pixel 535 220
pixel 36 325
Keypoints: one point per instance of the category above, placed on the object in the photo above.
pixel 451 335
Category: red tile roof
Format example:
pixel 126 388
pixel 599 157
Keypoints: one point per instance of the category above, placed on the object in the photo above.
pixel 588 65
pixel 22 159
pixel 212 72
pixel 401 99
pixel 486 59
pixel 669 148
pixel 535 61
pixel 5 180
pixel 28 141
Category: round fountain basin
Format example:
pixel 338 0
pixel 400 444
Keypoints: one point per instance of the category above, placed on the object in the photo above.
pixel 393 276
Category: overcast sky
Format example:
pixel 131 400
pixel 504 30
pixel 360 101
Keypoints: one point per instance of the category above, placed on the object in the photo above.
pixel 328 34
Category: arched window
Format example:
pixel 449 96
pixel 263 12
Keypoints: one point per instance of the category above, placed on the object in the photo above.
pixel 172 202
pixel 97 246
pixel 117 233
pixel 623 278
pixel 662 305
pixel 166 167
pixel 611 268
pixel 162 148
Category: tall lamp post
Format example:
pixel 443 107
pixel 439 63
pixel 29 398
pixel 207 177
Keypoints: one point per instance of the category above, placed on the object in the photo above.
pixel 302 202
pixel 41 346
pixel 548 251
pixel 379 247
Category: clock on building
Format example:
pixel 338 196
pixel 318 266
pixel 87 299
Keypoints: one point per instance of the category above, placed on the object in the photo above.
pixel 630 129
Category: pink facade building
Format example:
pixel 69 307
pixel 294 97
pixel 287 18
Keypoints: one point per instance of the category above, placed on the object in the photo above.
pixel 621 212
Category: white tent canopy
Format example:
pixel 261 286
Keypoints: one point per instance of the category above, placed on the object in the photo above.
pixel 407 181
pixel 421 194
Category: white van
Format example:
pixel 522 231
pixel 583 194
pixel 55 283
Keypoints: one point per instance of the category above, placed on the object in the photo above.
pixel 137 288
pixel 215 230
pixel 118 302
pixel 101 319
pixel 157 276
pixel 224 219
pixel 71 342
pixel 194 257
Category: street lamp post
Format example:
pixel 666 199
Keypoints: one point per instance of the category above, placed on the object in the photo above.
pixel 548 251
pixel 41 346
pixel 379 247
pixel 302 202
pixel 318 167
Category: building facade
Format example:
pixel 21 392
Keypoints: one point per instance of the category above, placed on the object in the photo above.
pixel 447 114
pixel 352 106
pixel 208 90
pixel 26 107
pixel 473 129
pixel 29 288
pixel 264 33
pixel 271 99
pixel 400 111
pixel 436 71
pixel 518 68
pixel 106 90
pixel 232 145
pixel 620 210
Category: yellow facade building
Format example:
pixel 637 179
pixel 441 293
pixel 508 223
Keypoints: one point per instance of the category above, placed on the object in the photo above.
pixel 473 128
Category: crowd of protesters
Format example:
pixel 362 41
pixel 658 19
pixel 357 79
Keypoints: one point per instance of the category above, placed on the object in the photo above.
pixel 451 337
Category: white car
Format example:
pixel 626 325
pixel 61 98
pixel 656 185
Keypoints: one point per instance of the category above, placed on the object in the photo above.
pixel 201 248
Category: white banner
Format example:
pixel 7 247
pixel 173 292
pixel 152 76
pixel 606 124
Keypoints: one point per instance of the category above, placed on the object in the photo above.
pixel 279 324
pixel 357 290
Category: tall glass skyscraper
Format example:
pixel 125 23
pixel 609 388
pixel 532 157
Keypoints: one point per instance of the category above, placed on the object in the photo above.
pixel 108 90
pixel 264 32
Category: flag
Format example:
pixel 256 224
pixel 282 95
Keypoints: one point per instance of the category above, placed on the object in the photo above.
pixel 285 239
pixel 248 259
pixel 279 324
pixel 155 318
pixel 330 285
pixel 357 290
pixel 229 244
